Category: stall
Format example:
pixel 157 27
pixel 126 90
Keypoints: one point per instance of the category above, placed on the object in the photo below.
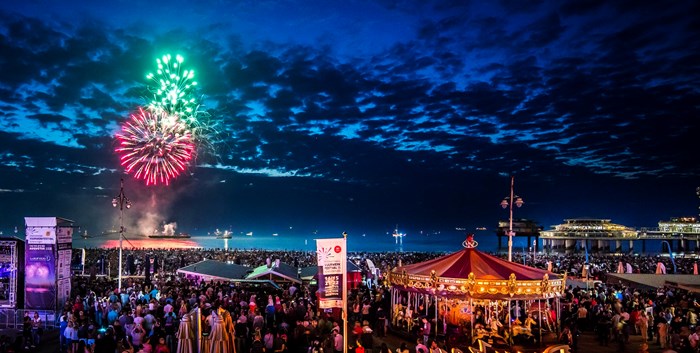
pixel 469 294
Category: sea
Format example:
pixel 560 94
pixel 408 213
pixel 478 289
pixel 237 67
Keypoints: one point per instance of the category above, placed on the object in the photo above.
pixel 445 242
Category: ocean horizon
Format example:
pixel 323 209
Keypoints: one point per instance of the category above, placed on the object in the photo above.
pixel 356 243
pixel 440 243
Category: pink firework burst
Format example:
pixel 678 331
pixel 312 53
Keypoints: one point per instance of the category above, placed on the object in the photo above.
pixel 154 146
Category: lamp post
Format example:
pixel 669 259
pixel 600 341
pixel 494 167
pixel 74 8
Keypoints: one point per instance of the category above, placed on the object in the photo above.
pixel 121 201
pixel 508 201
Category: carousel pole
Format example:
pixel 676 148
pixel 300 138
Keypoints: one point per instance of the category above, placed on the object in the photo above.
pixel 510 326
pixel 436 317
pixel 426 300
pixel 415 303
pixel 393 305
pixel 199 330
pixel 471 328
pixel 539 318
pixel 558 315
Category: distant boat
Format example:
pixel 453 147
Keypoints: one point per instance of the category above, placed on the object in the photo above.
pixel 274 234
pixel 396 233
pixel 223 235
pixel 250 234
pixel 480 228
pixel 170 236
pixel 398 237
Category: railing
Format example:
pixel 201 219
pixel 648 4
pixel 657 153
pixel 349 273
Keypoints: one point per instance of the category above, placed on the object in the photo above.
pixel 640 235
pixel 14 318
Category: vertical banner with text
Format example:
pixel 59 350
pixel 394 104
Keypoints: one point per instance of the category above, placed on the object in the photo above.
pixel 64 238
pixel 331 255
pixel 40 280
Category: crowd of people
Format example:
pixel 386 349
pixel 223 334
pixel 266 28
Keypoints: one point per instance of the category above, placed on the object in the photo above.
pixel 601 264
pixel 665 316
pixel 169 260
pixel 146 314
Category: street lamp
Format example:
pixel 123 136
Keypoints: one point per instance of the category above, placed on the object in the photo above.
pixel 508 201
pixel 121 201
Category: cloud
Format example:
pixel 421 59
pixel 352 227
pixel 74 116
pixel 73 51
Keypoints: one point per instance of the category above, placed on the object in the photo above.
pixel 469 89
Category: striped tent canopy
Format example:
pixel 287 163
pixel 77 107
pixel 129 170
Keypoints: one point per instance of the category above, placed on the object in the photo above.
pixel 472 273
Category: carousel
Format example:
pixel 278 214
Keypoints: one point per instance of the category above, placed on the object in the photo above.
pixel 470 298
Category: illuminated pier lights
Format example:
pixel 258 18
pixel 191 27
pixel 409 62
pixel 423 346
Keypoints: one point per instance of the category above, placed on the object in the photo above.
pixel 598 235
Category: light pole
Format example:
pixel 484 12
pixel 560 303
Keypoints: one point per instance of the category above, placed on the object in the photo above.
pixel 121 201
pixel 508 201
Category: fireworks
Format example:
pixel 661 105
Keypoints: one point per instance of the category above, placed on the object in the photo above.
pixel 160 141
pixel 155 146
pixel 173 88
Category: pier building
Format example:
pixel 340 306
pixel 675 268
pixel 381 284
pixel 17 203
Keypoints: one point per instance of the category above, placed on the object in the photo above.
pixel 682 234
pixel 521 228
pixel 596 235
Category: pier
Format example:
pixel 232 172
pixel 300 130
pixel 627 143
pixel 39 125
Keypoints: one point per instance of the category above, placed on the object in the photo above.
pixel 602 236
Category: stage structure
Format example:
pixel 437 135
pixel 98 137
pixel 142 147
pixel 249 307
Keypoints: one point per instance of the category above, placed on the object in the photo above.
pixel 11 273
pixel 47 262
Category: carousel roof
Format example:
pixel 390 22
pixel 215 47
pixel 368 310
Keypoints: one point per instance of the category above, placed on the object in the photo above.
pixel 475 274
pixel 471 260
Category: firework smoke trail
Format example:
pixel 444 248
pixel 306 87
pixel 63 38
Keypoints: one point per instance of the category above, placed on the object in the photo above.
pixel 156 146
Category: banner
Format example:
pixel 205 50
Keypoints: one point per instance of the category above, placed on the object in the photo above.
pixel 65 254
pixel 331 256
pixel 64 235
pixel 40 235
pixel 40 272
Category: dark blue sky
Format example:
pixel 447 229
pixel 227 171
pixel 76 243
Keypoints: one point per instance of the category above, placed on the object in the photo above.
pixel 358 115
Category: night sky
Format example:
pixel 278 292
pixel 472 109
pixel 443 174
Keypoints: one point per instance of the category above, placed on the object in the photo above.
pixel 359 115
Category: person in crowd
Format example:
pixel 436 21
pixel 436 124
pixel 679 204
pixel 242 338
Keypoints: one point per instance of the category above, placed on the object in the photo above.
pixel 420 346
pixel 403 348
pixel 337 341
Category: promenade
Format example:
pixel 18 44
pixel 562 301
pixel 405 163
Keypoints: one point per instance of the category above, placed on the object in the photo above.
pixel 587 344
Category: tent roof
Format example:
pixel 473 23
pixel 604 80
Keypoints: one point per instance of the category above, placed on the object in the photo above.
pixel 216 269
pixel 651 280
pixel 285 271
pixel 692 288
pixel 472 273
pixel 310 272
pixel 484 266
pixel 47 222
